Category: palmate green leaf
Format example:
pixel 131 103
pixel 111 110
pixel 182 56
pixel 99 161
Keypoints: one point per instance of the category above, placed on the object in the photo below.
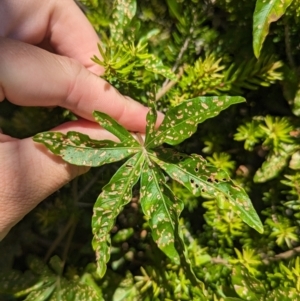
pixel 266 12
pixel 115 195
pixel 80 149
pixel 201 178
pixel 161 208
pixel 158 202
pixel 181 121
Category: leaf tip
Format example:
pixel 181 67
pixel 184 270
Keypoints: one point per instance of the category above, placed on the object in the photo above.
pixel 256 50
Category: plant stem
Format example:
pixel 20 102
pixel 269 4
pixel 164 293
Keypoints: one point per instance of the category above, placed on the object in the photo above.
pixel 165 88
pixel 282 256
pixel 288 48
pixel 58 239
pixel 140 139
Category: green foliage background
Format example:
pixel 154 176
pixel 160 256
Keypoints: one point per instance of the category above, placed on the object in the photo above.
pixel 186 49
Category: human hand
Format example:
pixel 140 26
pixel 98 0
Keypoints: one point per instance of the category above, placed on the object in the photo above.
pixel 32 76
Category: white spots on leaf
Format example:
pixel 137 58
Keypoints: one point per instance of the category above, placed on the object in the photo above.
pixel 204 105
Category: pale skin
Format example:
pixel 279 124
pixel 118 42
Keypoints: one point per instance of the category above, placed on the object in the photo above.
pixel 45 51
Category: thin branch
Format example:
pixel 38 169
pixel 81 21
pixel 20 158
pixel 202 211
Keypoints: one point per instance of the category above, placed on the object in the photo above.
pixel 167 85
pixel 89 185
pixel 74 222
pixel 182 51
pixel 219 260
pixel 282 256
pixel 165 88
pixel 58 239
pixel 267 260
pixel 68 242
pixel 140 139
pixel 288 48
pixel 71 223
pixel 178 59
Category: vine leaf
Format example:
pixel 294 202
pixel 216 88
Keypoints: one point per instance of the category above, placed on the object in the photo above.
pixel 115 195
pixel 159 204
pixel 181 121
pixel 201 178
pixel 265 13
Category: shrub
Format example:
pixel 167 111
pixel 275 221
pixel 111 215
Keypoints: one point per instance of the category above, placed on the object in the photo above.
pixel 187 231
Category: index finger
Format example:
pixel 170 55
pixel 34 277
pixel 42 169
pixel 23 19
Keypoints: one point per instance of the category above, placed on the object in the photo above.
pixel 30 76
pixel 72 35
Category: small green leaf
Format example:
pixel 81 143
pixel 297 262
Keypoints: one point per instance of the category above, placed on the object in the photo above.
pixel 155 65
pixel 176 9
pixel 123 235
pixel 56 264
pixel 126 289
pixel 80 149
pixel 42 294
pixel 53 287
pixel 14 281
pixel 116 194
pixel 161 208
pixel 181 121
pixel 274 164
pixel 266 12
pixel 295 161
pixel 282 294
pixel 74 291
pixel 291 89
pixel 201 178
pixel 245 285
